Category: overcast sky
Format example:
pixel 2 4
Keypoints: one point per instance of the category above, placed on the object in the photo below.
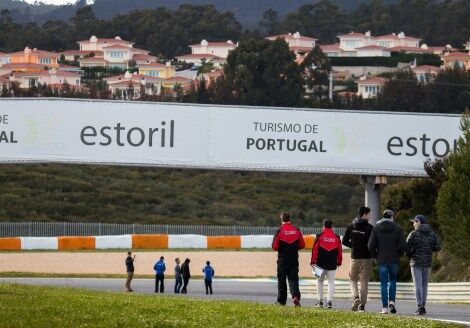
pixel 54 2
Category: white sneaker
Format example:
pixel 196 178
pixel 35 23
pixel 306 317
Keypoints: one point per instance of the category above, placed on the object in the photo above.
pixel 384 310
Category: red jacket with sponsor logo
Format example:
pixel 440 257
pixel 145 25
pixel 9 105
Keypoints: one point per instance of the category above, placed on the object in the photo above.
pixel 327 250
pixel 287 242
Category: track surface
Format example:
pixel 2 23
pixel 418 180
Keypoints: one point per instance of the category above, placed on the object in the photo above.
pixel 258 290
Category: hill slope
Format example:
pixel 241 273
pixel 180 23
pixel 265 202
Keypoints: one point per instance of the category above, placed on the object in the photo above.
pixel 150 195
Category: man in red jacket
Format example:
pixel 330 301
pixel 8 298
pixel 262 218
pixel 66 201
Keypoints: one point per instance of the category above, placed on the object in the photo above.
pixel 327 253
pixel 287 241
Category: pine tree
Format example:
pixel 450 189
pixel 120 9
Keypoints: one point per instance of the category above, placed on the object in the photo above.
pixel 453 201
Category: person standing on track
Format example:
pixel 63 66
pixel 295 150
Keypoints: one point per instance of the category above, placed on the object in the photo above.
pixel 287 241
pixel 186 275
pixel 327 254
pixel 160 268
pixel 208 274
pixel 130 271
pixel 178 276
pixel 420 245
pixel 387 245
pixel 356 237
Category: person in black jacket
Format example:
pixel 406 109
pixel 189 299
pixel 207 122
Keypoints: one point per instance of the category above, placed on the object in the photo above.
pixel 287 241
pixel 387 245
pixel 186 275
pixel 356 237
pixel 420 245
pixel 130 271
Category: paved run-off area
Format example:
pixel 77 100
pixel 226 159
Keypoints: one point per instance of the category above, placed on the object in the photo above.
pixel 226 263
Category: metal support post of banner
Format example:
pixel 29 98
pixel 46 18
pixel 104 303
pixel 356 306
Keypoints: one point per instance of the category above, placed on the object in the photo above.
pixel 372 185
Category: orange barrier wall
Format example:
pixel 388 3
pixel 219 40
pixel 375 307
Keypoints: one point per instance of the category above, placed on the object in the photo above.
pixel 68 242
pixel 10 244
pixel 149 241
pixel 309 240
pixel 223 242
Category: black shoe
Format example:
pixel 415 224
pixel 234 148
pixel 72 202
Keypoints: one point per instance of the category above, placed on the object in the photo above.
pixel 356 304
pixel 296 301
pixel 319 304
pixel 392 307
pixel 279 303
pixel 329 305
pixel 420 311
pixel 362 308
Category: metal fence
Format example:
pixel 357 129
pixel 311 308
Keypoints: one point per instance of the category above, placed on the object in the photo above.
pixel 52 229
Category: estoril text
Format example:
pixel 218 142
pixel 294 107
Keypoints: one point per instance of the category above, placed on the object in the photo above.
pixel 134 136
pixel 280 143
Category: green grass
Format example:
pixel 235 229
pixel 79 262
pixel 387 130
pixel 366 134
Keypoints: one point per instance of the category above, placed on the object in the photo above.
pixel 38 306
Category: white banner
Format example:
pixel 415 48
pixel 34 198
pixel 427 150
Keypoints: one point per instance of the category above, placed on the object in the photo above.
pixel 222 137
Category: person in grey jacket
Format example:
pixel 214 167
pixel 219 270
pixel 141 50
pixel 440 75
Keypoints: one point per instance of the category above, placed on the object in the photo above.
pixel 387 245
pixel 178 276
pixel 420 245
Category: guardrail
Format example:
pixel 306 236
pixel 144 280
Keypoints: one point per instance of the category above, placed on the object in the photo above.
pixel 438 292
pixel 53 229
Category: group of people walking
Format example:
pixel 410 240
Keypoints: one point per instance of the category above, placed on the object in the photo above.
pixel 182 275
pixel 383 242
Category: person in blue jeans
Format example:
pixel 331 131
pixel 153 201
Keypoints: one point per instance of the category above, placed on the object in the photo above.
pixel 208 274
pixel 159 268
pixel 387 244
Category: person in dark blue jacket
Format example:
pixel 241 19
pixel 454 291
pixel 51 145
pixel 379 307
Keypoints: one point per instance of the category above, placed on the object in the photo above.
pixel 208 274
pixel 159 268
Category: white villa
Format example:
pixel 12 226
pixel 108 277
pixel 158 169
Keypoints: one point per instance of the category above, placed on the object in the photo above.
pixel 366 45
pixel 369 87
pixel 112 53
pixel 299 44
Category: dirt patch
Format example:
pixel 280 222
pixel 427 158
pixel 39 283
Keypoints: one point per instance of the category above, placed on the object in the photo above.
pixel 226 264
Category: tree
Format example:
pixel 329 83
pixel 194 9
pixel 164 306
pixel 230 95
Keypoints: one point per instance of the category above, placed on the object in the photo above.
pixel 261 73
pixel 449 92
pixel 316 68
pixel 453 201
pixel 402 92
pixel 270 23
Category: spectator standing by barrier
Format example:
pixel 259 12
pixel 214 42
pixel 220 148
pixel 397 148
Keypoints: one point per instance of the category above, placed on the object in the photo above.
pixel 186 275
pixel 387 245
pixel 208 274
pixel 356 237
pixel 327 253
pixel 287 241
pixel 420 245
pixel 130 271
pixel 178 276
pixel 160 268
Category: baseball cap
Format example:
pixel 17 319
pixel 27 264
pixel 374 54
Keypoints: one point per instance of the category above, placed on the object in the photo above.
pixel 421 218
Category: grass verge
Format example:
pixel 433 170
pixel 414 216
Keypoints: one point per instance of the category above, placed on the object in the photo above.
pixel 39 306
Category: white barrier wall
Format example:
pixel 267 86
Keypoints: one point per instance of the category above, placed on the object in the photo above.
pixel 187 241
pixel 105 242
pixel 256 241
pixel 28 243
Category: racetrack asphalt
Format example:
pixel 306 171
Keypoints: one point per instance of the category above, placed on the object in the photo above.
pixel 257 290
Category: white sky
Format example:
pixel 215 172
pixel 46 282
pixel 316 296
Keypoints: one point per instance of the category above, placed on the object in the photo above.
pixel 54 2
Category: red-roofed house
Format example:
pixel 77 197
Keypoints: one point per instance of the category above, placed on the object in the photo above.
pixel 177 80
pixel 113 53
pixel 219 49
pixel 349 42
pixel 121 83
pixel 425 72
pixel 438 50
pixel 456 60
pixel 33 56
pixel 373 51
pixel 297 43
pixel 369 87
pixel 397 40
pixel 199 59
pixel 164 71
pixel 48 77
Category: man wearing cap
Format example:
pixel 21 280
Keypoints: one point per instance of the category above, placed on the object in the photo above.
pixel 387 245
pixel 420 245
